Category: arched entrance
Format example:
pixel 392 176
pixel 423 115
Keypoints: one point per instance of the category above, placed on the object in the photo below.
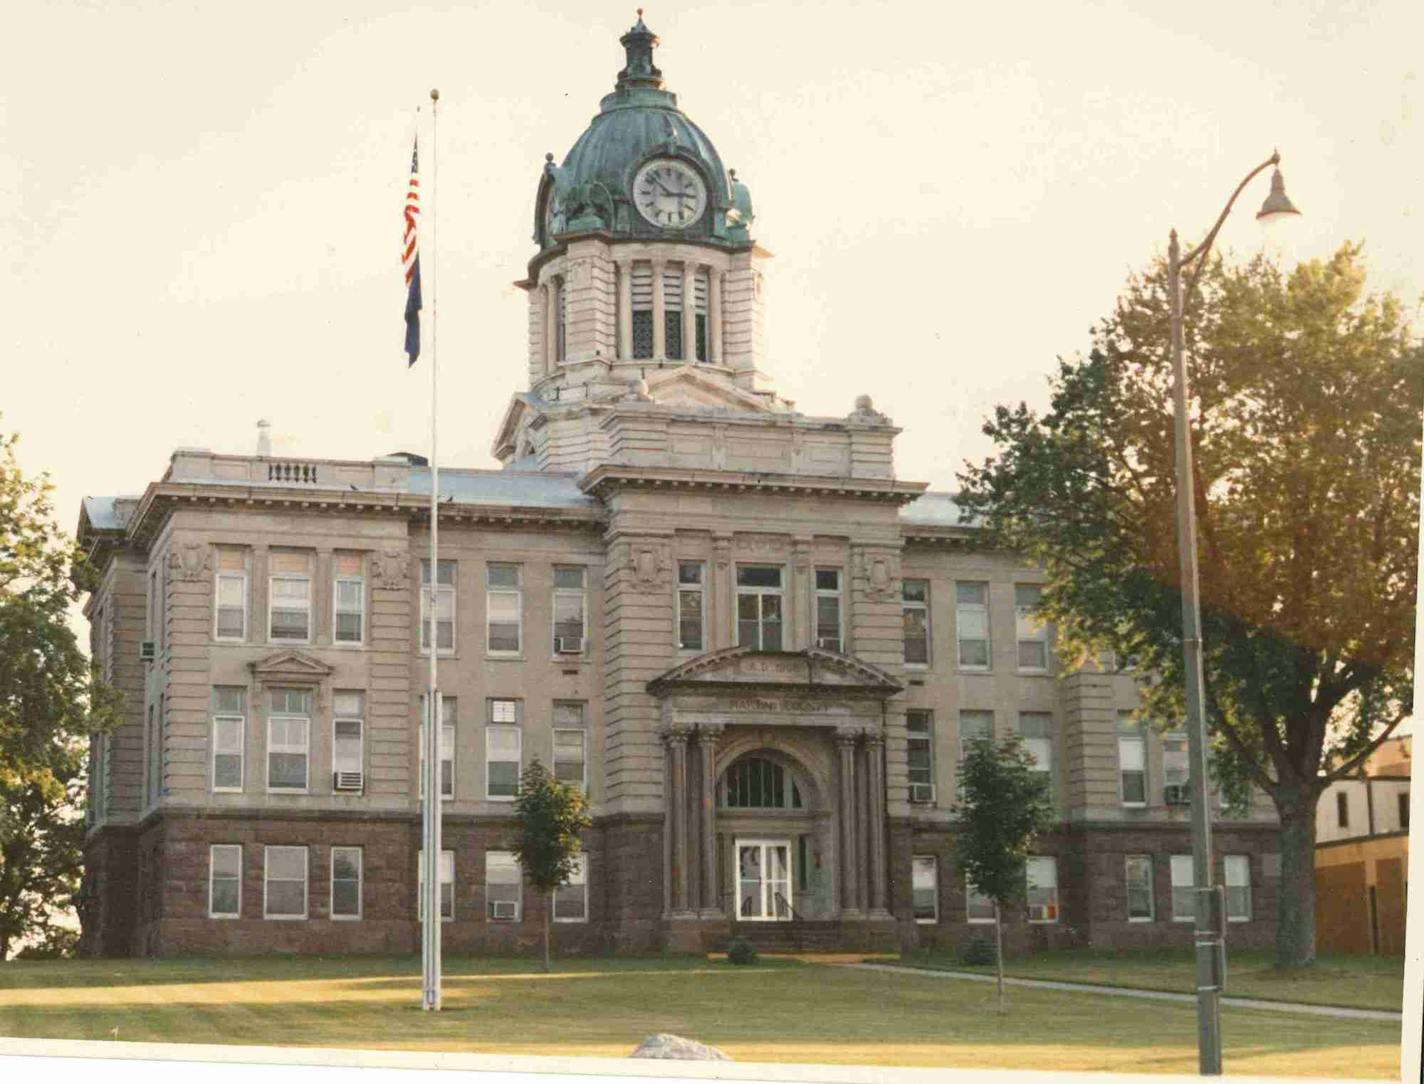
pixel 773 840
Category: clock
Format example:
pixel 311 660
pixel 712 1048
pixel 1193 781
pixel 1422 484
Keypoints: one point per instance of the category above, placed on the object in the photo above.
pixel 669 193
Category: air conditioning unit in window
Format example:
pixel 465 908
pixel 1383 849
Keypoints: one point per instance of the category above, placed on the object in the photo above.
pixel 348 780
pixel 568 645
pixel 504 909
pixel 1176 794
pixel 147 650
pixel 922 793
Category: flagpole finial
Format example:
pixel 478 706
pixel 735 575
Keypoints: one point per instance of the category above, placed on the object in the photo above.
pixel 434 95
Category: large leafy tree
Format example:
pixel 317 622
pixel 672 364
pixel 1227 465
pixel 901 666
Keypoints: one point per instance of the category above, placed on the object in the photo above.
pixel 1305 417
pixel 548 816
pixel 49 703
pixel 1003 806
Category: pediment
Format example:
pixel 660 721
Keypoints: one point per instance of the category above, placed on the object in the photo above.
pixel 687 386
pixel 515 414
pixel 738 669
pixel 289 665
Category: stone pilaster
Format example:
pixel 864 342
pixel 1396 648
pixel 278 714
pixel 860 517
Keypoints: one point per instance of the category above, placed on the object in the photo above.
pixel 714 316
pixel 689 311
pixel 875 785
pixel 625 310
pixel 659 313
pixel 676 738
pixel 848 874
pixel 707 736
pixel 801 603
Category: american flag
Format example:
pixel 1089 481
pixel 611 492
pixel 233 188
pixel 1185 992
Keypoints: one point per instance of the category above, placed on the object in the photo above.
pixel 410 257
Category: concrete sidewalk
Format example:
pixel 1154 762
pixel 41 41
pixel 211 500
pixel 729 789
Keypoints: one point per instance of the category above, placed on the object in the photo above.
pixel 1149 995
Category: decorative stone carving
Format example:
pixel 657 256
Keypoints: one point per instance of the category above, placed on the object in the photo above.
pixel 722 552
pixel 865 412
pixel 190 562
pixel 578 272
pixel 801 555
pixel 877 570
pixel 391 570
pixel 648 562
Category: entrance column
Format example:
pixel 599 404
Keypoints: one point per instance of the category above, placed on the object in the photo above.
pixel 849 897
pixel 707 735
pixel 676 800
pixel 875 762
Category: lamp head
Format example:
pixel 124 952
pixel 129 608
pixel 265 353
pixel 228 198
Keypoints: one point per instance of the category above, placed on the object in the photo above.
pixel 1278 204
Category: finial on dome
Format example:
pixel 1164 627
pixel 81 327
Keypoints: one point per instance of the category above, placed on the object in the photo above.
pixel 639 70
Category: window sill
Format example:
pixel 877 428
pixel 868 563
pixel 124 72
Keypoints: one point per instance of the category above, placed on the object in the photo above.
pixel 1134 805
pixel 560 921
pixel 974 669
pixel 1034 672
pixel 501 798
pixel 289 790
pixel 226 790
pixel 284 918
pixel 224 918
pixel 927 921
pixel 229 639
pixel 979 921
pixel 504 657
pixel 346 918
pixel 1043 922
pixel 1187 921
pixel 1245 919
pixel 1141 921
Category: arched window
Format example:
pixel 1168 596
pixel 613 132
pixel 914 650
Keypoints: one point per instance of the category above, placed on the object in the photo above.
pixel 757 783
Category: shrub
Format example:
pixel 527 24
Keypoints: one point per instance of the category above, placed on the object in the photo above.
pixel 740 951
pixel 977 952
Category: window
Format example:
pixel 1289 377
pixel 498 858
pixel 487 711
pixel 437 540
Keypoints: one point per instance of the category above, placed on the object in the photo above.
pixel 1237 875
pixel 1183 892
pixel 349 599
pixel 700 286
pixel 153 760
pixel 503 749
pixel 672 313
pixel 1132 760
pixel 759 607
pixel 757 783
pixel 449 714
pixel 230 594
pixel 1342 808
pixel 288 738
pixel 915 608
pixel 571 897
pixel 447 885
pixel 971 625
pixel 920 725
pixel 289 596
pixel 978 907
pixel 569 627
pixel 225 880
pixel 284 886
pixel 348 745
pixel 974 724
pixel 229 729
pixel 561 316
pixel 570 744
pixel 1139 888
pixel 346 882
pixel 444 606
pixel 502 886
pixel 504 606
pixel 1032 633
pixel 1175 761
pixel 1036 728
pixel 924 888
pixel 642 291
pixel 1042 873
pixel 828 609
pixel 1402 798
pixel 690 632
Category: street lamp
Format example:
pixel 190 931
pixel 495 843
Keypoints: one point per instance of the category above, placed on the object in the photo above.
pixel 1210 927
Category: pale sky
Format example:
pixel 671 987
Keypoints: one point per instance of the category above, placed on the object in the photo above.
pixel 203 200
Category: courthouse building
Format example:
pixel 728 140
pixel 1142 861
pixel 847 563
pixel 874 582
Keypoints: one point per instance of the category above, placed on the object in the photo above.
pixel 756 647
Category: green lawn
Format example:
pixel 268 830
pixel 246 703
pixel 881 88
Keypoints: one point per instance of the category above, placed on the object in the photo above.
pixel 780 1010
pixel 1361 982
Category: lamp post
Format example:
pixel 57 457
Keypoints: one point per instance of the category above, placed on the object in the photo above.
pixel 1210 927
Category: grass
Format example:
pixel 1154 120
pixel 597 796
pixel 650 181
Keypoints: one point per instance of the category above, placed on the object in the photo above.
pixel 783 1010
pixel 1358 982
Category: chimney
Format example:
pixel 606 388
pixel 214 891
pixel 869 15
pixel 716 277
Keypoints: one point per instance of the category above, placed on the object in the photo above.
pixel 264 439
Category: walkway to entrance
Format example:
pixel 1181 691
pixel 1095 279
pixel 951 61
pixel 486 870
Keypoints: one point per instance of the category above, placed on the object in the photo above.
pixel 1121 991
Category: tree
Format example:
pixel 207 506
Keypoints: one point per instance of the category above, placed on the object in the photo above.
pixel 1003 806
pixel 49 704
pixel 549 816
pixel 1305 418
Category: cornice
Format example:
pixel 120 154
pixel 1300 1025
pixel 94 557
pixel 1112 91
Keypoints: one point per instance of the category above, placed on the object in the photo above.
pixel 610 477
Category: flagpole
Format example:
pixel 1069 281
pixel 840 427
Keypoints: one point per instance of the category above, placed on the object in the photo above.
pixel 430 940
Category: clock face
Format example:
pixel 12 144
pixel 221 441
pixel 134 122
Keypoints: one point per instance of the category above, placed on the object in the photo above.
pixel 669 193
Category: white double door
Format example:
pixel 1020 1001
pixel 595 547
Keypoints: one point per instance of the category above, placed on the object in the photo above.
pixel 764 880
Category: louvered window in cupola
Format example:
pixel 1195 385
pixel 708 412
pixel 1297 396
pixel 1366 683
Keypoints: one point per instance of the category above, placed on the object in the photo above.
pixel 642 310
pixel 672 312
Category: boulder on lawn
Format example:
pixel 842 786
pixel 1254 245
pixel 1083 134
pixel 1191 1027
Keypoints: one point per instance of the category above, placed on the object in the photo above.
pixel 675 1046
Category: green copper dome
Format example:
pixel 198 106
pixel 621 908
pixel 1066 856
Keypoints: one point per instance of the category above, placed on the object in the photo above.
pixel 593 190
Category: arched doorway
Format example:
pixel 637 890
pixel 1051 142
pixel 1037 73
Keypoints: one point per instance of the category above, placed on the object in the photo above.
pixel 773 840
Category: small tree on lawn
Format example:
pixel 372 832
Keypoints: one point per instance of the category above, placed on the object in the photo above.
pixel 1003 805
pixel 549 816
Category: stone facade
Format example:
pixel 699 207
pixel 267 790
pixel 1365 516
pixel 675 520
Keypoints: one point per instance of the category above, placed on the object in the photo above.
pixel 752 643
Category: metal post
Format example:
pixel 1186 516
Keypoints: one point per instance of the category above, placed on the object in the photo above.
pixel 1207 939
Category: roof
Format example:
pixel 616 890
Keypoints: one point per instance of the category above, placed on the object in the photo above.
pixel 109 513
pixel 935 510
pixel 512 488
